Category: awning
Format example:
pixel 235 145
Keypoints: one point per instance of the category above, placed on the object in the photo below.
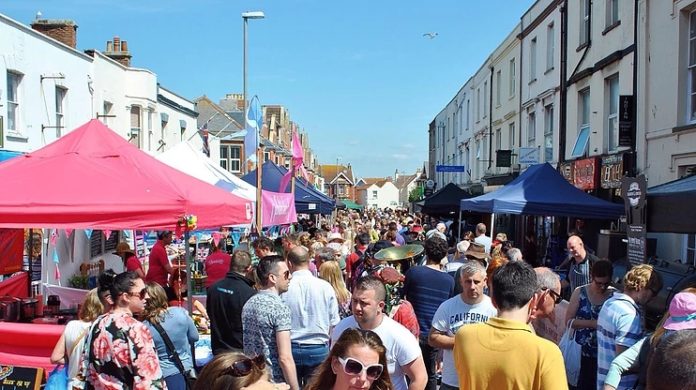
pixel 351 205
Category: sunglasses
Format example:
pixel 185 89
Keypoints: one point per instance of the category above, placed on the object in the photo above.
pixel 244 366
pixel 141 294
pixel 556 297
pixel 355 367
pixel 286 275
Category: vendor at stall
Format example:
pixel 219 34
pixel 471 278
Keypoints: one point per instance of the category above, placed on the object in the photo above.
pixel 130 260
pixel 216 264
pixel 177 293
pixel 159 267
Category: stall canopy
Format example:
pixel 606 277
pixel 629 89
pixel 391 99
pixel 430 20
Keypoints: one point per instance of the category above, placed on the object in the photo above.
pixel 307 199
pixel 672 207
pixel 348 204
pixel 541 190
pixel 186 158
pixel 93 178
pixel 445 201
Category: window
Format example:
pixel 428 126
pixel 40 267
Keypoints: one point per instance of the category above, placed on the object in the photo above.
pixel 374 194
pixel 13 81
pixel 498 82
pixel 266 156
pixel 511 135
pixel 548 133
pixel 512 78
pixel 612 87
pixel 582 142
pixel 692 68
pixel 149 129
pixel 60 110
pixel 478 104
pixel 485 99
pixel 106 111
pixel 135 122
pixel 468 112
pixel 532 60
pixel 229 158
pixel 531 129
pixel 550 46
pixel 612 13
pixel 498 139
pixel 584 22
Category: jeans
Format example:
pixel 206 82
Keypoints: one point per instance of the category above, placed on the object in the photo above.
pixel 430 360
pixel 175 382
pixel 308 357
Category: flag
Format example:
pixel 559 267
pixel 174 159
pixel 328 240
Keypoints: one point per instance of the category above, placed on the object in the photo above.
pixel 254 123
pixel 203 132
pixel 297 162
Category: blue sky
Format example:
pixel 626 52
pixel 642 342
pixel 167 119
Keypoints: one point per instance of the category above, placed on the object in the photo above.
pixel 358 75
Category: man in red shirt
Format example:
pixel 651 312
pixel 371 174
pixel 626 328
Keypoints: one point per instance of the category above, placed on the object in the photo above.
pixel 159 268
pixel 216 264
pixel 362 240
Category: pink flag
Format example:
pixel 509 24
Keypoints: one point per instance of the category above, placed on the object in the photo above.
pixel 297 151
pixel 56 274
pixel 278 208
pixel 54 237
pixel 216 238
pixel 285 180
pixel 107 234
pixel 68 232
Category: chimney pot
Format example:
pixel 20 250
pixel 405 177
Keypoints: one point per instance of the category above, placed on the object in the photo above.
pixel 124 46
pixel 109 46
pixel 117 44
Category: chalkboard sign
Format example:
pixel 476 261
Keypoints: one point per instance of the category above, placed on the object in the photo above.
pixel 98 245
pixel 14 377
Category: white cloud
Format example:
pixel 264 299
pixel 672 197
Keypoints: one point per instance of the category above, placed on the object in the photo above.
pixel 400 156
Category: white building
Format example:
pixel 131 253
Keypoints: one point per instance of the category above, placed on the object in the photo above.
pixel 378 193
pixel 540 81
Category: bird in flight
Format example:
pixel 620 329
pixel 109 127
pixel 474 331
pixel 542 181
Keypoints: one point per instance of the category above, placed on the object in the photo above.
pixel 430 35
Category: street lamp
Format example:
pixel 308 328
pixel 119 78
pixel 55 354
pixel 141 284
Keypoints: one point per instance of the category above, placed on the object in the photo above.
pixel 246 16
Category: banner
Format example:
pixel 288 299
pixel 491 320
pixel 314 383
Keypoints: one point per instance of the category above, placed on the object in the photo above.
pixel 11 250
pixel 278 208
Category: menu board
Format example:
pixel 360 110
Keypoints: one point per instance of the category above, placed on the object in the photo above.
pixel 15 377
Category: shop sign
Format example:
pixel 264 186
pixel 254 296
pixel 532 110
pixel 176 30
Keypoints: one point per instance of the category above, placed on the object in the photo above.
pixel 567 171
pixel 633 190
pixel 585 174
pixel 626 125
pixel 612 171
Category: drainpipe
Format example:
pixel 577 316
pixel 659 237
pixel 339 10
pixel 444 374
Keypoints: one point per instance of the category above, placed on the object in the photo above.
pixel 490 121
pixel 563 114
pixel 633 169
pixel 519 93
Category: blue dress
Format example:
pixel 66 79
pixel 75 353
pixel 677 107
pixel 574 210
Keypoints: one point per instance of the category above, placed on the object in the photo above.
pixel 587 337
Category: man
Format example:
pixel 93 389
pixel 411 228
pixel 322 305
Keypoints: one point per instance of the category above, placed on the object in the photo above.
pixel 548 296
pixel 672 363
pixel 580 263
pixel 502 353
pixel 354 259
pixel 482 238
pixel 619 322
pixel 426 287
pixel 159 266
pixel 438 231
pixel 216 264
pixel 399 238
pixel 224 304
pixel 266 321
pixel 469 307
pixel 314 311
pixel 263 247
pixel 403 354
pixel 323 255
pixel 514 254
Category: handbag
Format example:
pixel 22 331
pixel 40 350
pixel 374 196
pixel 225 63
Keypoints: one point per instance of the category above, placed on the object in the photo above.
pixel 572 352
pixel 189 375
pixel 57 379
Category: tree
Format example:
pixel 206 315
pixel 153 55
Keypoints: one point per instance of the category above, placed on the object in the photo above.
pixel 416 194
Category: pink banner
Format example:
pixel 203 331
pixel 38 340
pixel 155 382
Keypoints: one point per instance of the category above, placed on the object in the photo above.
pixel 278 208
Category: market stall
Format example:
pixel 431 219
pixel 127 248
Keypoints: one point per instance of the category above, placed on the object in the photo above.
pixel 92 178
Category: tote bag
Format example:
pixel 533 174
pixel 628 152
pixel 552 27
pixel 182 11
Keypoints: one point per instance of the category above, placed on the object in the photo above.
pixel 571 354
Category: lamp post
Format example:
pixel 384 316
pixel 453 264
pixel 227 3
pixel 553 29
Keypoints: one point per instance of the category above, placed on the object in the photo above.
pixel 259 154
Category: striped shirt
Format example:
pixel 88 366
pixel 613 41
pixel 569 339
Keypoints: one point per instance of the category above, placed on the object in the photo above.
pixel 618 324
pixel 579 273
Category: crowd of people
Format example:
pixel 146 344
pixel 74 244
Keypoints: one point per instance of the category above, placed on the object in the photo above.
pixel 322 308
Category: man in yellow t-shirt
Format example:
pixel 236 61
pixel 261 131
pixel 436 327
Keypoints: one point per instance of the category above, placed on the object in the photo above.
pixel 503 353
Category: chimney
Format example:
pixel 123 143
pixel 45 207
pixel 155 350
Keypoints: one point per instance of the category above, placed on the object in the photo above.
pixel 62 30
pixel 117 50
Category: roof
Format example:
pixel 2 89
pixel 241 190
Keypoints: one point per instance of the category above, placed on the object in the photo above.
pixel 369 181
pixel 331 171
pixel 404 180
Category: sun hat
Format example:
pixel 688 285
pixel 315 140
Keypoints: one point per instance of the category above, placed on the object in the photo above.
pixel 682 312
pixel 336 236
pixel 477 252
pixel 463 246
pixel 122 248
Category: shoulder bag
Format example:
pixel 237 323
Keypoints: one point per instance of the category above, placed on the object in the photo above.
pixel 189 375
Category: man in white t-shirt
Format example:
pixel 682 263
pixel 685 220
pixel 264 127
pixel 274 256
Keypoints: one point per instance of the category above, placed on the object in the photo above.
pixel 482 238
pixel 404 357
pixel 469 307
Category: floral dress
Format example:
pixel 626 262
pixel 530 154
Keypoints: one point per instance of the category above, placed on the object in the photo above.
pixel 587 337
pixel 121 355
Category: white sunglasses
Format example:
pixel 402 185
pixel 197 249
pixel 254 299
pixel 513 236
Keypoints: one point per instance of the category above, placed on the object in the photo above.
pixel 355 367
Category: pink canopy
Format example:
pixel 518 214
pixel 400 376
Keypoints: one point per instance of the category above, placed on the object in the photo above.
pixel 93 178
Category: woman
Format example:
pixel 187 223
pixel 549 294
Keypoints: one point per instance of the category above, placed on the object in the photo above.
pixel 177 293
pixel 120 351
pixel 180 328
pixel 69 347
pixel 680 316
pixel 357 360
pixel 130 260
pixel 236 371
pixel 331 272
pixel 584 307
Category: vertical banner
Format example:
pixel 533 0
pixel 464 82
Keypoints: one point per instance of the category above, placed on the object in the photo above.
pixel 633 190
pixel 11 250
pixel 626 125
pixel 278 208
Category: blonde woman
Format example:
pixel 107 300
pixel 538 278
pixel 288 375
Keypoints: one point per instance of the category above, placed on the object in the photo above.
pixel 331 272
pixel 71 343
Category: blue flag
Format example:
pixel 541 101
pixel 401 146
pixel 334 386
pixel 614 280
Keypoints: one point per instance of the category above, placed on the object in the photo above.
pixel 254 123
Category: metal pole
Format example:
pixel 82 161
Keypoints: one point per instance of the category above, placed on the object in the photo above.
pixel 189 272
pixel 244 92
pixel 259 187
